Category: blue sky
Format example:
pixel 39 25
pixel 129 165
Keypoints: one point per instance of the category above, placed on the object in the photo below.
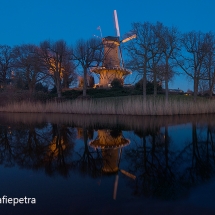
pixel 32 21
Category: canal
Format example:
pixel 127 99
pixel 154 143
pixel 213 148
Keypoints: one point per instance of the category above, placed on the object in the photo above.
pixel 76 164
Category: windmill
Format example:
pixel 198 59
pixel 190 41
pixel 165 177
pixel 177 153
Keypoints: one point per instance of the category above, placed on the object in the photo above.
pixel 112 65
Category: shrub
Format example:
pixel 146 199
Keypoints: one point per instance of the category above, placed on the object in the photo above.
pixel 40 87
pixel 91 82
pixel 117 83
pixel 149 86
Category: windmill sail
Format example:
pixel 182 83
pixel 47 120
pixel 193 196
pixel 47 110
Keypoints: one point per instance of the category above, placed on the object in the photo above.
pixel 116 23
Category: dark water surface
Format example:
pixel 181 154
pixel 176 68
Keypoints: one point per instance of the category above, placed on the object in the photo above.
pixel 75 164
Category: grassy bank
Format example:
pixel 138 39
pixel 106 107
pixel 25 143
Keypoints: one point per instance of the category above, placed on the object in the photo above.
pixel 127 105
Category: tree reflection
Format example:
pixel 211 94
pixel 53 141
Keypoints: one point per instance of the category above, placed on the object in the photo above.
pixel 89 161
pixel 58 154
pixel 153 163
pixel 38 146
pixel 167 173
pixel 201 151
pixel 30 145
pixel 6 148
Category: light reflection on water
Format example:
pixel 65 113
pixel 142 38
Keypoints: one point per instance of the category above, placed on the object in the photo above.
pixel 87 164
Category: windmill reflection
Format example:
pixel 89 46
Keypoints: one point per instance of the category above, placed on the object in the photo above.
pixel 111 143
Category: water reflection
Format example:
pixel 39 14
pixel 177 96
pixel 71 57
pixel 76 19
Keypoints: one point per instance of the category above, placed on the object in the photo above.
pixel 89 161
pixel 111 143
pixel 165 171
pixel 150 149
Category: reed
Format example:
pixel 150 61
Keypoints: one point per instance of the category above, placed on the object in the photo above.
pixel 131 105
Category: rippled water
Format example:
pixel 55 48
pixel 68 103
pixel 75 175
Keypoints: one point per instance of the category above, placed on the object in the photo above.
pixel 73 164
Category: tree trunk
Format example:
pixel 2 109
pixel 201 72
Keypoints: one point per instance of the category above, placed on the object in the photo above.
pixel 31 88
pixel 166 81
pixel 57 77
pixel 144 82
pixel 166 90
pixel 85 82
pixel 59 94
pixel 195 87
pixel 58 87
pixel 211 84
pixel 155 84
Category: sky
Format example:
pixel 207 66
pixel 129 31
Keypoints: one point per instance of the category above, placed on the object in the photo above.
pixel 33 21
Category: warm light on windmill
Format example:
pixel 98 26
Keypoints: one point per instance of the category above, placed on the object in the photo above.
pixel 129 38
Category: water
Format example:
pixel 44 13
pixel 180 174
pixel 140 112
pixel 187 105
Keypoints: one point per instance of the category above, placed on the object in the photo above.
pixel 73 164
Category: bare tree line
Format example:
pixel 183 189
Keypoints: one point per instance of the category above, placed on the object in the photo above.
pixel 50 63
pixel 160 52
pixel 157 55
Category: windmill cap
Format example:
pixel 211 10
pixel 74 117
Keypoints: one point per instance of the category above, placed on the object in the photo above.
pixel 111 38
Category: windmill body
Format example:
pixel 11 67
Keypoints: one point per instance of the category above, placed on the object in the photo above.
pixel 111 52
pixel 111 67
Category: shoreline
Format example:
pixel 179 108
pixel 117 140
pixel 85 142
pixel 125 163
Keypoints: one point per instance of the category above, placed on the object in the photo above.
pixel 101 121
pixel 133 106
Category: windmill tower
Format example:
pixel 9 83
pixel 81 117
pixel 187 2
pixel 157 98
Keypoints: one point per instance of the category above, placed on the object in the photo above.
pixel 112 66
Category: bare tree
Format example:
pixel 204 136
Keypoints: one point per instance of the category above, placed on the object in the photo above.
pixel 142 50
pixel 154 63
pixel 69 75
pixel 194 49
pixel 56 57
pixel 209 63
pixel 169 44
pixel 28 65
pixel 87 53
pixel 5 63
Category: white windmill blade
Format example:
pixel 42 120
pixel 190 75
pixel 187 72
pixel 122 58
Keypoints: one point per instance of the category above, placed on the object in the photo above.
pixel 129 38
pixel 128 174
pixel 116 23
pixel 115 187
